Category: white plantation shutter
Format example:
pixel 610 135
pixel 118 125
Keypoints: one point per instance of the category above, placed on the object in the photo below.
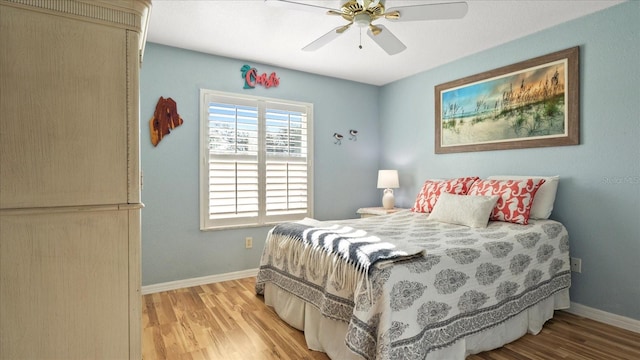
pixel 256 163
pixel 286 159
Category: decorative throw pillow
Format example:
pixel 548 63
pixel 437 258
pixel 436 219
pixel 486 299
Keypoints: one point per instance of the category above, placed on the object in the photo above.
pixel 516 197
pixel 545 197
pixel 428 195
pixel 472 211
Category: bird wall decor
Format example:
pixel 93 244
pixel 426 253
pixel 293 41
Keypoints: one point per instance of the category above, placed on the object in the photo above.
pixel 353 135
pixel 338 138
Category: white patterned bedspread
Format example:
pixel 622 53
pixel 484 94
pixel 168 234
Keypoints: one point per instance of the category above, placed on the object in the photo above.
pixel 469 280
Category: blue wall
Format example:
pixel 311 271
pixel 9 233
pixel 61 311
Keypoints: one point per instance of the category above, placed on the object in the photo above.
pixel 599 192
pixel 173 247
pixel 598 196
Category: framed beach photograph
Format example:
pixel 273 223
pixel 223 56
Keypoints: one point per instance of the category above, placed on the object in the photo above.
pixel 534 103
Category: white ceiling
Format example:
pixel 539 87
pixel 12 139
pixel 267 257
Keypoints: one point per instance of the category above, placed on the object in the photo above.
pixel 254 31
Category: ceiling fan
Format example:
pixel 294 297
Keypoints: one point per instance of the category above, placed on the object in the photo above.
pixel 364 12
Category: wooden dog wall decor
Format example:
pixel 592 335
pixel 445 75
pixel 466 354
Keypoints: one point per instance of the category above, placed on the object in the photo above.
pixel 164 119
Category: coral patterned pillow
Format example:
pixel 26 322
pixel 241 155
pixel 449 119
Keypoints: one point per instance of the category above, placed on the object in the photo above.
pixel 516 197
pixel 431 190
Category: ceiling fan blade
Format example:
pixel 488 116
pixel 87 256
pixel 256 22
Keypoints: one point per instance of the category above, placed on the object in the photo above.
pixel 454 10
pixel 293 5
pixel 387 41
pixel 326 38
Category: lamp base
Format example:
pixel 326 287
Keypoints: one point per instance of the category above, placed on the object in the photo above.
pixel 388 201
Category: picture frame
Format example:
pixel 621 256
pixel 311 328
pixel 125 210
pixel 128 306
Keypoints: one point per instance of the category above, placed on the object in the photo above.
pixel 533 103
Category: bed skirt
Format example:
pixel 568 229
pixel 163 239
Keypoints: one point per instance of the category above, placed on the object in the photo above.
pixel 327 335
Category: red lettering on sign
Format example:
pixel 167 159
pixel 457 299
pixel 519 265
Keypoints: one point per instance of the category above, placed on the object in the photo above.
pixel 251 78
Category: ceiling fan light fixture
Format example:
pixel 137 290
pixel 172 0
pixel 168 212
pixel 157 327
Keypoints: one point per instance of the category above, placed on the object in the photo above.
pixel 362 20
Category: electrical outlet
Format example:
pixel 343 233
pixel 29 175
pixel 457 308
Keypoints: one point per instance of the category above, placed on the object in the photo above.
pixel 576 265
pixel 248 242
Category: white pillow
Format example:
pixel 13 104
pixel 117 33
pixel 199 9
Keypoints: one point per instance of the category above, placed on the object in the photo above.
pixel 545 197
pixel 468 210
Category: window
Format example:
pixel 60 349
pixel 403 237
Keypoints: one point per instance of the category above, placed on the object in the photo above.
pixel 256 164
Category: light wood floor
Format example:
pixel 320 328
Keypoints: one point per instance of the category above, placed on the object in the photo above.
pixel 228 321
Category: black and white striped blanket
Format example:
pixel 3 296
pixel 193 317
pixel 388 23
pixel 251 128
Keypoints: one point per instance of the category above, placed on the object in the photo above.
pixel 356 247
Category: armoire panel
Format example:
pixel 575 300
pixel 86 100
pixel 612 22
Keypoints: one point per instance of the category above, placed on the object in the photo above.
pixel 64 289
pixel 64 111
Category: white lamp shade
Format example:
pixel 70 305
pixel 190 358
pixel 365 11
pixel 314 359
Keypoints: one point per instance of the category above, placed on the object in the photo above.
pixel 388 179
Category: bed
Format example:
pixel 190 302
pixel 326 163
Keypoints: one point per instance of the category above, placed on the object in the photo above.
pixel 409 285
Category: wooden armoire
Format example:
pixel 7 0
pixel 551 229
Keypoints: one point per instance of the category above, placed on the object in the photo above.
pixel 70 178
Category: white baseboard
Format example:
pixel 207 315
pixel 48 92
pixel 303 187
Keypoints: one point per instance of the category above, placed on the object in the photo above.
pixel 179 284
pixel 605 317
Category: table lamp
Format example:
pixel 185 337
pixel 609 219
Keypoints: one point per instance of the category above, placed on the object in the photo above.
pixel 388 180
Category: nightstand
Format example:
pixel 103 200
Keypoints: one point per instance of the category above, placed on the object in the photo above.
pixel 375 211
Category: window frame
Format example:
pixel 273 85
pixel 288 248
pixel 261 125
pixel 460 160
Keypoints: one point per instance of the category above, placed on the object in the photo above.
pixel 206 97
